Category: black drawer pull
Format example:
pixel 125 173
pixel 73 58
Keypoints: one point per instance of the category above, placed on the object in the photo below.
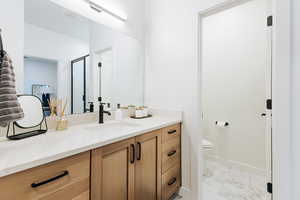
pixel 64 173
pixel 139 154
pixel 172 132
pixel 172 181
pixel 132 159
pixel 172 153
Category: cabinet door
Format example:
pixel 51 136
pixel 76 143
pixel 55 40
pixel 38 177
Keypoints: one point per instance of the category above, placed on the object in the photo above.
pixel 112 174
pixel 148 166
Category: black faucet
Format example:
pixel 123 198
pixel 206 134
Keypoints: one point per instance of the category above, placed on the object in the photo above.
pixel 102 112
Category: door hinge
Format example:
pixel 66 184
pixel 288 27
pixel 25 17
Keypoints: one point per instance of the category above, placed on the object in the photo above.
pixel 269 104
pixel 270 21
pixel 270 188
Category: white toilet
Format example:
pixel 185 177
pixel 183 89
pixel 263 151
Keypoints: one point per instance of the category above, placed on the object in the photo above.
pixel 207 147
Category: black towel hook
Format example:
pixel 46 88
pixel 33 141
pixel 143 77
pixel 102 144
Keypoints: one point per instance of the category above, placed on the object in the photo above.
pixel 1 45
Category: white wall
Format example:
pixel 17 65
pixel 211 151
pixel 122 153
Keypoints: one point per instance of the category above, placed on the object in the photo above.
pixel 12 25
pixel 50 45
pixel 296 97
pixel 41 72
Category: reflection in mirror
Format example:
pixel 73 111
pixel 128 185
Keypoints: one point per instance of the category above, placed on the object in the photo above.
pixel 41 79
pixel 121 58
pixel 79 93
pixel 33 112
pixel 63 51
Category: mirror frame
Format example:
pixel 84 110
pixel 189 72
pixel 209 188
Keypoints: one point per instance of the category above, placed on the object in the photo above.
pixel 20 126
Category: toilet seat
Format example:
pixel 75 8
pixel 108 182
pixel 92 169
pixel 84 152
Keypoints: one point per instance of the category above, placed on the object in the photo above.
pixel 207 145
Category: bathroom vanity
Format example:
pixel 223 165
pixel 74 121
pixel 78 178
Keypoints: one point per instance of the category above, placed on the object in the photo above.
pixel 119 160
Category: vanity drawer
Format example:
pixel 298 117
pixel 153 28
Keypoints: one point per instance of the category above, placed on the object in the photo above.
pixel 171 132
pixel 171 154
pixel 67 179
pixel 171 182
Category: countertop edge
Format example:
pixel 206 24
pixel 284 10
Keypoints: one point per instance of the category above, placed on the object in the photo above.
pixel 72 152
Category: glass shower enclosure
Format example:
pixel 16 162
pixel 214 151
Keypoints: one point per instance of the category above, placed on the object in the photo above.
pixel 79 74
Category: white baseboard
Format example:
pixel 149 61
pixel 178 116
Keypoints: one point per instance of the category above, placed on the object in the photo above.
pixel 185 193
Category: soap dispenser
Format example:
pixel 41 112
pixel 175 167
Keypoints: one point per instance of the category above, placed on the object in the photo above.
pixel 118 113
pixel 91 106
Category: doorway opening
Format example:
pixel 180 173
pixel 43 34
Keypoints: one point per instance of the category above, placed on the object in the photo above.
pixel 236 71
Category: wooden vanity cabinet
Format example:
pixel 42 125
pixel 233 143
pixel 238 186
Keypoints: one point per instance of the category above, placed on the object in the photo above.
pixel 147 167
pixel 66 179
pixel 128 170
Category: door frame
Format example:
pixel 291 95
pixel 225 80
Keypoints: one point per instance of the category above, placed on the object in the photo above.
pixel 84 82
pixel 281 94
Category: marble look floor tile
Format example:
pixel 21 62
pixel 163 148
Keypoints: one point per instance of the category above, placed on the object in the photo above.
pixel 228 183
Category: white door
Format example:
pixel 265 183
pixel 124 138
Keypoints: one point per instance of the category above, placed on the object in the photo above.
pixel 236 77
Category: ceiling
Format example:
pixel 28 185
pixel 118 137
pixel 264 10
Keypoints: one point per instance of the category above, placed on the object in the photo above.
pixel 48 15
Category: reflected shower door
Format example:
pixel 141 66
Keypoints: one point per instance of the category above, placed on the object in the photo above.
pixel 78 85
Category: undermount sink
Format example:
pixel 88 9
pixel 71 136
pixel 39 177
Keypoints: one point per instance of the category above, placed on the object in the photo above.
pixel 112 125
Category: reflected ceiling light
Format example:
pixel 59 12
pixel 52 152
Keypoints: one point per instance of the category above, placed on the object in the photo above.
pixel 100 9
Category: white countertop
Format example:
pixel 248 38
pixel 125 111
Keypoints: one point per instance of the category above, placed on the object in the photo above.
pixel 16 156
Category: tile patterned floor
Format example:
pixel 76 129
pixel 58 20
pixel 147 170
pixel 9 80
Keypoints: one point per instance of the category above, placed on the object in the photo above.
pixel 228 183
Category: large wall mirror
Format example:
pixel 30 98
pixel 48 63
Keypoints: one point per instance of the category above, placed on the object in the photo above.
pixel 63 54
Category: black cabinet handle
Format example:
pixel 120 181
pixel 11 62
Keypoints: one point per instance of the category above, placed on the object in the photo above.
pixel 139 155
pixel 64 173
pixel 172 181
pixel 171 153
pixel 132 159
pixel 172 132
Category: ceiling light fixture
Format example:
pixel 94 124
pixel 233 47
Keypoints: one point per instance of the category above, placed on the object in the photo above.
pixel 95 8
pixel 100 9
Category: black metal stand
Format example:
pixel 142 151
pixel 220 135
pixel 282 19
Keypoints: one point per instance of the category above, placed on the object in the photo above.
pixel 23 135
